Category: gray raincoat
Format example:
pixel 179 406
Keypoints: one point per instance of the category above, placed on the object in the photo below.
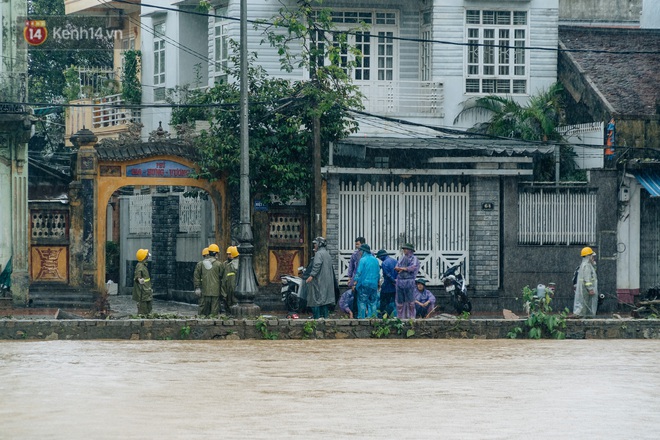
pixel 584 303
pixel 321 290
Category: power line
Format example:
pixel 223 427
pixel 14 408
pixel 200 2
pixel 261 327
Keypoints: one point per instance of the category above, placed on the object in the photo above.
pixel 124 106
pixel 173 42
pixel 456 132
pixel 416 40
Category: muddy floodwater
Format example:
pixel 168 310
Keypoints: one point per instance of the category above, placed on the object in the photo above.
pixel 362 389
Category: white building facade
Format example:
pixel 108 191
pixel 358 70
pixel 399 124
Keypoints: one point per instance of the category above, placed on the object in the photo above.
pixel 417 62
pixel 422 60
pixel 15 128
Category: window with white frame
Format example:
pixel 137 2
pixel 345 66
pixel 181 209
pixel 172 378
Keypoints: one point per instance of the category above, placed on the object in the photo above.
pixel 377 44
pixel 220 44
pixel 425 49
pixel 496 58
pixel 159 54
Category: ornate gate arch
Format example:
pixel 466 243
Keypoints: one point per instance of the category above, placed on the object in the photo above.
pixel 100 170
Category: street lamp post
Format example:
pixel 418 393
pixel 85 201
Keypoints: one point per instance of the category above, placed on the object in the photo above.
pixel 246 287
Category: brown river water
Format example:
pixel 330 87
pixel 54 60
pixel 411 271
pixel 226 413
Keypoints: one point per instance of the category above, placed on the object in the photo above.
pixel 322 389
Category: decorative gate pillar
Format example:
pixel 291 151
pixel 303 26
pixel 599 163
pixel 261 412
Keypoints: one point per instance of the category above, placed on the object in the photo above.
pixel 83 194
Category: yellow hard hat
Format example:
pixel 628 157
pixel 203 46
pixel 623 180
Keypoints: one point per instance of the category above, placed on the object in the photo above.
pixel 141 254
pixel 205 251
pixel 214 248
pixel 586 251
pixel 233 251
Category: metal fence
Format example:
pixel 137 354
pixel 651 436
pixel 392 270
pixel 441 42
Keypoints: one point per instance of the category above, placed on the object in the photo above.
pixel 434 217
pixel 557 217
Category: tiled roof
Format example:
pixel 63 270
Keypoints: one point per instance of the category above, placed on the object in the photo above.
pixel 629 82
pixel 145 149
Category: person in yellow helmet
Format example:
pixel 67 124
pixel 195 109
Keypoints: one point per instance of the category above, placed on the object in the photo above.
pixel 198 270
pixel 231 272
pixel 586 288
pixel 208 281
pixel 142 293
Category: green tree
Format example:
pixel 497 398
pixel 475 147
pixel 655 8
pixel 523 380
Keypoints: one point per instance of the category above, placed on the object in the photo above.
pixel 537 120
pixel 281 112
pixel 48 62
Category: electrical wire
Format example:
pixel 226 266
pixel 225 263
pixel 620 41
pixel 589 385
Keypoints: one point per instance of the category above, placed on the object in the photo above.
pixel 416 40
pixel 202 57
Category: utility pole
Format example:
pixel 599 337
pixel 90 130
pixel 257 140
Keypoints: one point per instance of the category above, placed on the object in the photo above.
pixel 557 162
pixel 316 169
pixel 246 287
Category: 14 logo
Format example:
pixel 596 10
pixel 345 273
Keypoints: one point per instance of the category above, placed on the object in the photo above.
pixel 35 32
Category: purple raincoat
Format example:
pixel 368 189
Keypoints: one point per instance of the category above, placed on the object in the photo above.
pixel 406 286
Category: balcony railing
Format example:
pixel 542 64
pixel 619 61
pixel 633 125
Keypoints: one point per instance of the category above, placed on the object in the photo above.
pixel 110 112
pixel 96 82
pixel 404 98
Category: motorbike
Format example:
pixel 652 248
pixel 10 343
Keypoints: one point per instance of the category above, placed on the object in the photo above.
pixel 455 286
pixel 293 292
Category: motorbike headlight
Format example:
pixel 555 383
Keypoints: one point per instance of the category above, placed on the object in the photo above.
pixel 284 281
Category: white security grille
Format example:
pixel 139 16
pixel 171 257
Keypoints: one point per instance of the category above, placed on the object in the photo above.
pixel 139 218
pixel 433 217
pixel 190 214
pixel 549 217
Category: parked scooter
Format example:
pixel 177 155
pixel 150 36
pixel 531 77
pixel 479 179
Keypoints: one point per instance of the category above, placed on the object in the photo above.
pixel 293 292
pixel 455 286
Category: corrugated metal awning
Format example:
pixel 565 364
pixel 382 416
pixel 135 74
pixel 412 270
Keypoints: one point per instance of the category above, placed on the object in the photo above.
pixel 350 146
pixel 650 180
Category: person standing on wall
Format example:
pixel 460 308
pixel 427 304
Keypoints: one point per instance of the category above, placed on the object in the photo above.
pixel 231 271
pixel 321 280
pixel 355 260
pixel 407 268
pixel 367 279
pixel 586 288
pixel 388 288
pixel 198 270
pixel 142 293
pixel 208 283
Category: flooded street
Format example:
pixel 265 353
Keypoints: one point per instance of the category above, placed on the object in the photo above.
pixel 450 389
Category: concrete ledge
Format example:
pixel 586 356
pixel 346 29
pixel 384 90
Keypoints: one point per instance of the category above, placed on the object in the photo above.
pixel 201 329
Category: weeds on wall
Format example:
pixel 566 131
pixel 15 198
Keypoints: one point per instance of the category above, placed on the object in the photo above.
pixel 387 325
pixel 541 322
pixel 262 326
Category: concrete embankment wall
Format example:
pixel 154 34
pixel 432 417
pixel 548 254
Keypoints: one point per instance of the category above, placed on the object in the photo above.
pixel 201 329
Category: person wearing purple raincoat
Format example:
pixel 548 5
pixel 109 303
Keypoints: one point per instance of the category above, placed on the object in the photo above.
pixel 424 299
pixel 347 303
pixel 407 267
pixel 355 260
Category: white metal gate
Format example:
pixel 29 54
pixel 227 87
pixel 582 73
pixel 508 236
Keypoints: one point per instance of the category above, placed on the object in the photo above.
pixel 433 217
